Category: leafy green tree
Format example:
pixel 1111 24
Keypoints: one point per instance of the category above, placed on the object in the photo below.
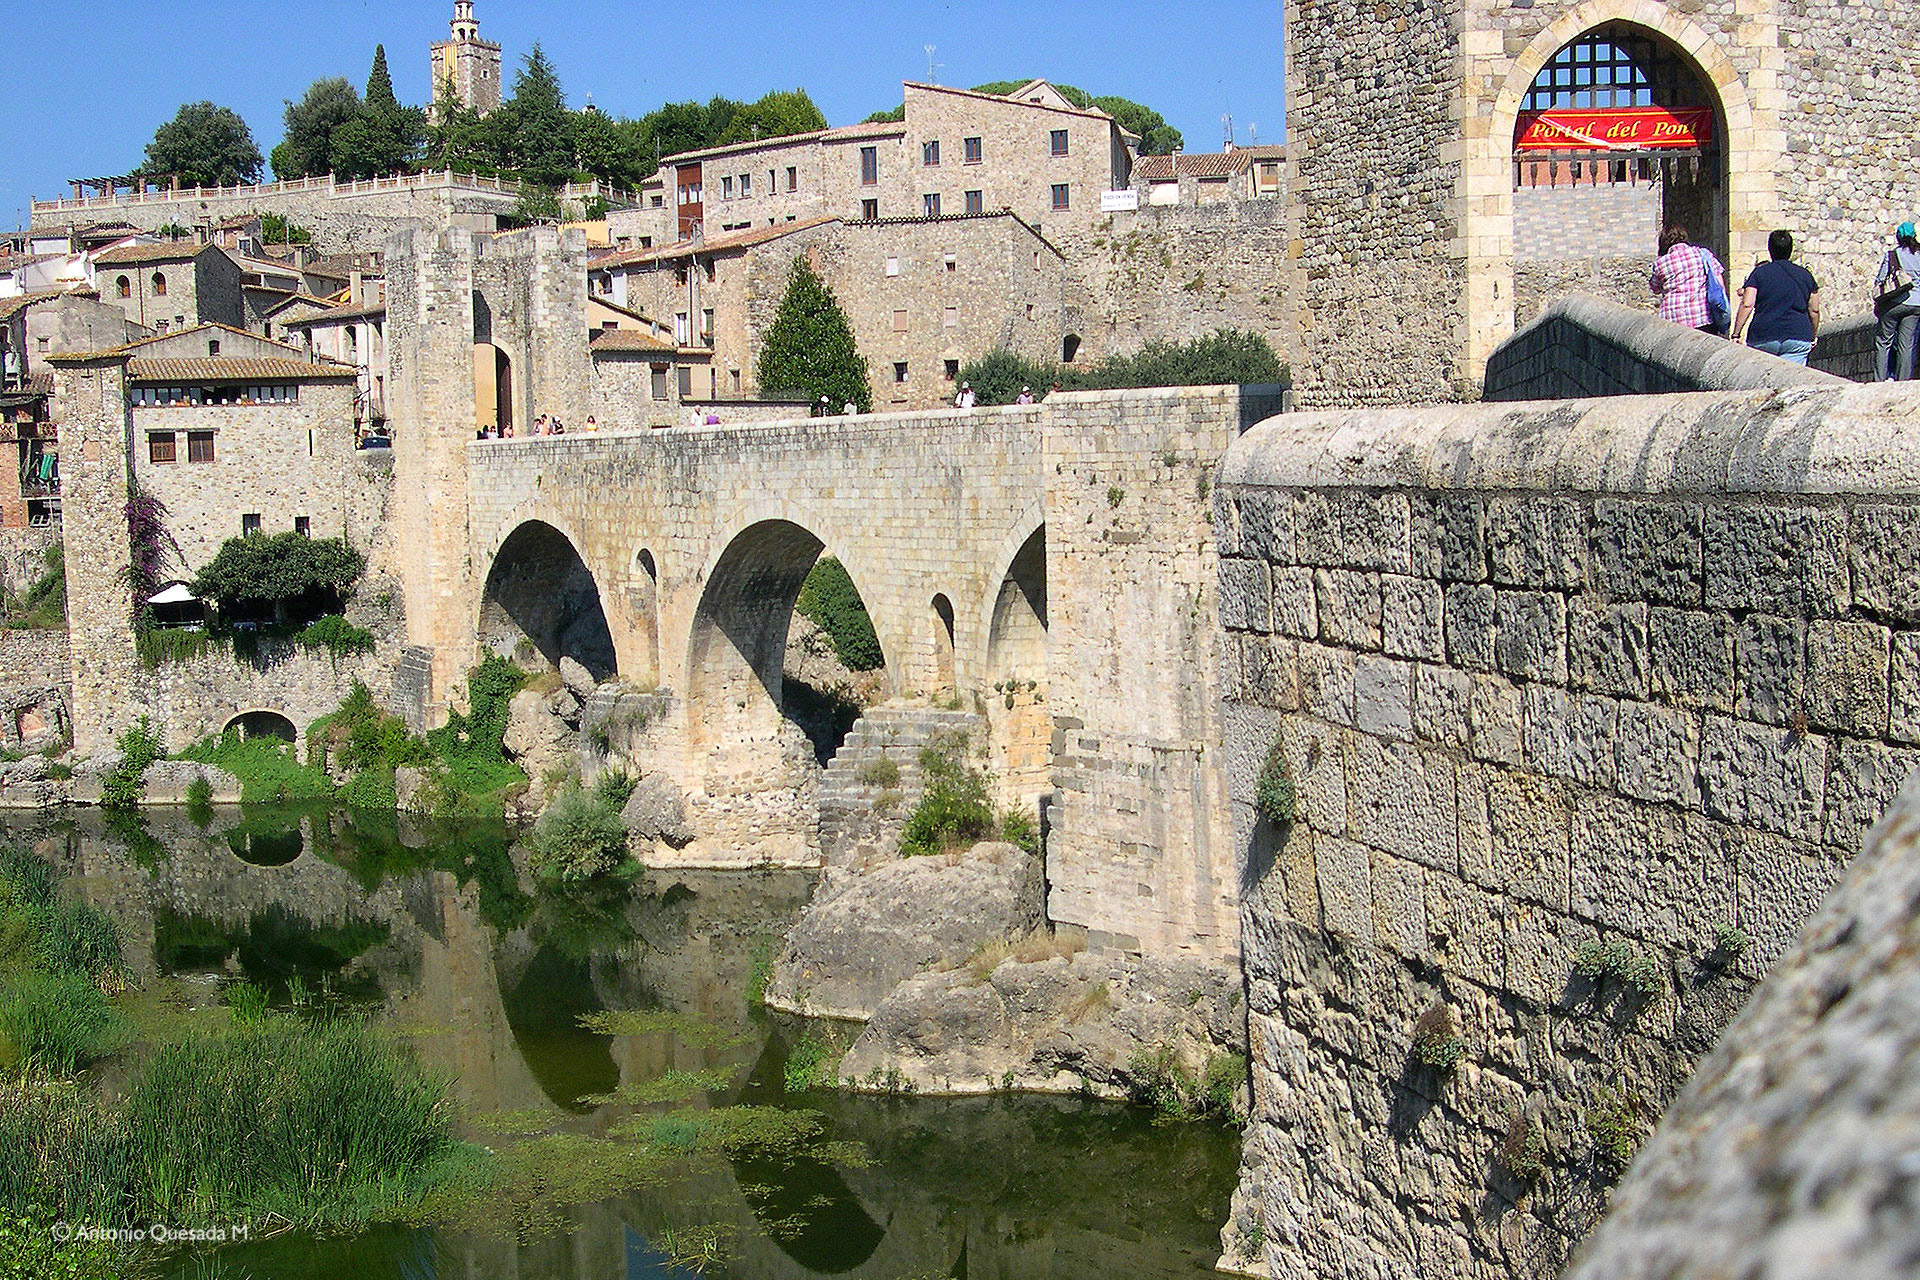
pixel 896 116
pixel 461 138
pixel 383 138
pixel 809 349
pixel 673 128
pixel 776 115
pixel 285 576
pixel 1157 137
pixel 207 146
pixel 537 204
pixel 830 600
pixel 325 106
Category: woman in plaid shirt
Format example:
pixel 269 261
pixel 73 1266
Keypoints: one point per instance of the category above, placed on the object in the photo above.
pixel 1680 278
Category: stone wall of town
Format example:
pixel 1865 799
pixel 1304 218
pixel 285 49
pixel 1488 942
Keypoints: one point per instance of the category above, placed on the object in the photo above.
pixel 1173 273
pixel 1569 715
pixel 200 697
pixel 23 555
pixel 343 219
pixel 34 698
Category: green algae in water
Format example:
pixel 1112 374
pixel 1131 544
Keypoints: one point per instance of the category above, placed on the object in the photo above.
pixel 672 1086
pixel 688 1029
pixel 515 1122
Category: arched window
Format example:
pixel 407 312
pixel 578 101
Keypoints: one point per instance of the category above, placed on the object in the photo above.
pixel 1069 348
pixel 159 284
pixel 124 287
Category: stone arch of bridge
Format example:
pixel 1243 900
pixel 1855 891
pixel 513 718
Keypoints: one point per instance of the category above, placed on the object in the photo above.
pixel 540 591
pixel 1014 666
pixel 736 647
pixel 1749 155
pixel 262 722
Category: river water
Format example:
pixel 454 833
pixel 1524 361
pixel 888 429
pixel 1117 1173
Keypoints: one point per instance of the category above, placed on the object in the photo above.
pixel 430 930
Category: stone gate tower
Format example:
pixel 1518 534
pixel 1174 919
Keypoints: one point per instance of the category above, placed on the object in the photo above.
pixel 471 65
pixel 1456 162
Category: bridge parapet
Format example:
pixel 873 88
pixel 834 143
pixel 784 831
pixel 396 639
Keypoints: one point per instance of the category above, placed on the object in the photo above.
pixel 1570 697
pixel 1587 346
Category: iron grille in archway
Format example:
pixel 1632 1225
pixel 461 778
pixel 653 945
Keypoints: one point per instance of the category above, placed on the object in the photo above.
pixel 1617 104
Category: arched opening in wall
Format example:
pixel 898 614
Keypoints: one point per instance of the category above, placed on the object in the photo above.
pixel 1069 348
pixel 1620 134
pixel 943 646
pixel 262 724
pixel 541 599
pixel 1019 726
pixel 783 652
pixel 643 596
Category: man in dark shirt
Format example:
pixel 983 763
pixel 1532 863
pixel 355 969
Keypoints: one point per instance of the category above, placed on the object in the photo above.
pixel 1783 300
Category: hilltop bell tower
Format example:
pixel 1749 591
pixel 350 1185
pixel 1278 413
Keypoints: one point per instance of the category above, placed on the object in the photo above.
pixel 471 65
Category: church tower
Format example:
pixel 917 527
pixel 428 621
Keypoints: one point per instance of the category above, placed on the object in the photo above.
pixel 470 64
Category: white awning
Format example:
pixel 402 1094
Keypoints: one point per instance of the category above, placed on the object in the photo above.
pixel 175 594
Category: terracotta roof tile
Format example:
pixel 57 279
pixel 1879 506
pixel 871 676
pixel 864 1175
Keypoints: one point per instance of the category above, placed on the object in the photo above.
pixel 628 340
pixel 720 243
pixel 332 314
pixel 232 369
pixel 130 254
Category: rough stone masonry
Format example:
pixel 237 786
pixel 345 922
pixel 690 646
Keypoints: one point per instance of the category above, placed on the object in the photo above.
pixel 1636 672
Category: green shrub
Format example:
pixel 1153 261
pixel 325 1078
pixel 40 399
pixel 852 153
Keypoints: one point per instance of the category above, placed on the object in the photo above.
pixel 1731 941
pixel 139 747
pixel 1273 795
pixel 1018 827
pixel 200 800
pixel 43 605
pixel 809 349
pixel 580 836
pixel 879 773
pixel 829 599
pixel 320 1123
pixel 335 635
pixel 759 970
pixel 170 646
pixel 284 575
pixel 1223 358
pixel 954 808
pixel 998 376
pixel 809 1066
pixel 1161 1081
pixel 1523 1148
pixel 613 788
pixel 1437 1044
pixel 57 1021
pixel 1614 1123
pixel 470 745
pixel 1619 960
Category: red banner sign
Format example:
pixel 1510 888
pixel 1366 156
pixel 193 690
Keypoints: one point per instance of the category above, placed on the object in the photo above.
pixel 1616 129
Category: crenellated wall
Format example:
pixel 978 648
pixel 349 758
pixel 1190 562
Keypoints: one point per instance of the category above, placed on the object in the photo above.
pixel 1629 671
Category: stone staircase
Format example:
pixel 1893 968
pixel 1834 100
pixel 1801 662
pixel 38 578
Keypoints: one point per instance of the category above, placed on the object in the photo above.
pixel 861 815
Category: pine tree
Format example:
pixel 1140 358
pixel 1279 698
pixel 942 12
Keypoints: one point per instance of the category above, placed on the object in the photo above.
pixel 541 127
pixel 809 348
pixel 379 97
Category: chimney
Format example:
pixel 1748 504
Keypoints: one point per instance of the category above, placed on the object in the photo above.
pixel 356 289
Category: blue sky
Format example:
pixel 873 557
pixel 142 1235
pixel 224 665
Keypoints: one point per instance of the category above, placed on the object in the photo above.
pixel 87 89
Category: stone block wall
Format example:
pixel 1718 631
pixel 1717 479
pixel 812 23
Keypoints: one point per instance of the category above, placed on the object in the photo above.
pixel 1620 672
pixel 1846 349
pixel 23 555
pixel 35 702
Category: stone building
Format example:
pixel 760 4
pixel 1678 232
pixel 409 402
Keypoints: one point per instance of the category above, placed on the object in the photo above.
pixel 464 63
pixel 956 152
pixel 354 332
pixel 924 297
pixel 237 435
pixel 1423 144
pixel 1243 173
pixel 173 284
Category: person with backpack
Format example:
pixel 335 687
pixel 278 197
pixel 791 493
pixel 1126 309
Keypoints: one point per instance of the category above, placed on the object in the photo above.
pixel 1690 280
pixel 1897 308
pixel 1784 300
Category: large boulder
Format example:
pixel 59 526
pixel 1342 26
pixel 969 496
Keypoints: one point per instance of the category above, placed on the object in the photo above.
pixel 576 678
pixel 537 739
pixel 410 791
pixel 1042 1019
pixel 168 781
pixel 656 811
pixel 866 933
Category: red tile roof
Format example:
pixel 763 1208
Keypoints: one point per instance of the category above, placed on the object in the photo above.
pixel 628 340
pixel 132 254
pixel 718 244
pixel 232 369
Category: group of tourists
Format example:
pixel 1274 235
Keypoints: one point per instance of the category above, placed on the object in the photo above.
pixel 1779 305
pixel 541 426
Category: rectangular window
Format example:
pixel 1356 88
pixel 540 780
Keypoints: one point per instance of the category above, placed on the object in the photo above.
pixel 869 210
pixel 951 370
pixel 733 380
pixel 899 370
pixel 303 526
pixel 773 181
pixel 1057 140
pixel 930 153
pixel 950 318
pixel 953 264
pixel 160 446
pixel 659 382
pixel 869 166
pixel 793 177
pixel 726 188
pixel 893 266
pixel 250 525
pixel 746 185
pixel 682 335
pixel 973 151
pixel 899 320
pixel 976 202
pixel 686 382
pixel 706 326
pixel 1059 195
pixel 199 446
pixel 930 204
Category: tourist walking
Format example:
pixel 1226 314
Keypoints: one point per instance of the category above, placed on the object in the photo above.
pixel 1026 396
pixel 1783 299
pixel 1897 308
pixel 965 399
pixel 1684 275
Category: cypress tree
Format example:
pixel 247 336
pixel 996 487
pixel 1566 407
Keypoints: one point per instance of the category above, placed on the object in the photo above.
pixel 809 348
pixel 379 97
